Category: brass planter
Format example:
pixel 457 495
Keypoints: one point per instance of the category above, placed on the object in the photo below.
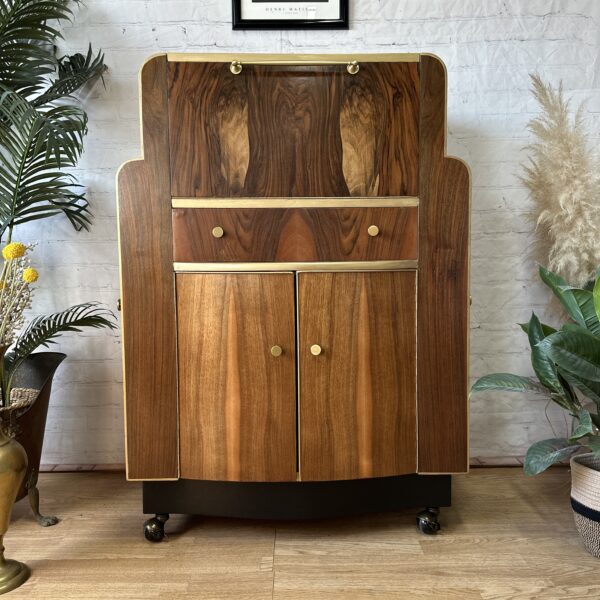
pixel 13 464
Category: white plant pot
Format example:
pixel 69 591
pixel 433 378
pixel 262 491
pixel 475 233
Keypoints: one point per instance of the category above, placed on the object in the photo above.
pixel 585 500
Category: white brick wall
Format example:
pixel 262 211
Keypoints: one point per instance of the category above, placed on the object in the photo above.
pixel 489 47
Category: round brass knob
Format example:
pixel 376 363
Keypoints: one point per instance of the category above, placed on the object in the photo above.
pixel 373 231
pixel 235 67
pixel 353 67
pixel 276 351
pixel 218 232
pixel 315 349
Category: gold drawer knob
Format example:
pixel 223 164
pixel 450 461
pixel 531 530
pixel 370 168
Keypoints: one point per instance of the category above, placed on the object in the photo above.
pixel 315 349
pixel 276 351
pixel 373 231
pixel 218 232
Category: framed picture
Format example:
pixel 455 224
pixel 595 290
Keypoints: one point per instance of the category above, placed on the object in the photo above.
pixel 290 14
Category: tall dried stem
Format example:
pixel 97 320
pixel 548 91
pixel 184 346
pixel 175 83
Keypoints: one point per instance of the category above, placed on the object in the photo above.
pixel 563 179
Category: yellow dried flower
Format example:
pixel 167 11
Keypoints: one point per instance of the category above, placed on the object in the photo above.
pixel 13 250
pixel 30 275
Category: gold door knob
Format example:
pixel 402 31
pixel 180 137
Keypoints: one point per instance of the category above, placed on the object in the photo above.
pixel 218 232
pixel 315 349
pixel 276 351
pixel 373 231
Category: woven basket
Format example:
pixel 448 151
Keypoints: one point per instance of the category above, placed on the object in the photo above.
pixel 585 500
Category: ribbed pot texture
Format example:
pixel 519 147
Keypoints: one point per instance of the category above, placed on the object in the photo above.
pixel 585 500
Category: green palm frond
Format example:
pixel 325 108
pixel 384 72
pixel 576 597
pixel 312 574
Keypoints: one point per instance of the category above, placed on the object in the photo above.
pixel 40 133
pixel 43 330
pixel 74 72
pixel 36 147
pixel 27 34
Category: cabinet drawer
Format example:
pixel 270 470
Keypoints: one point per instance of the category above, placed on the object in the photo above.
pixel 294 234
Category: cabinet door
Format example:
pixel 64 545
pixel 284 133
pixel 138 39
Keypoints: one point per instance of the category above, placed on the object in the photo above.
pixel 357 353
pixel 237 391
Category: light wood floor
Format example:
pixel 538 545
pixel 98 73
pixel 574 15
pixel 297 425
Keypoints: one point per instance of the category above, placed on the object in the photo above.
pixel 507 536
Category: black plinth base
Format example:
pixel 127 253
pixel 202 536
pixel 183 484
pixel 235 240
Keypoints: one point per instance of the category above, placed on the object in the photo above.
pixel 296 500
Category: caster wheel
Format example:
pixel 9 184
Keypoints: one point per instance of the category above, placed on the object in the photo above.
pixel 427 521
pixel 154 529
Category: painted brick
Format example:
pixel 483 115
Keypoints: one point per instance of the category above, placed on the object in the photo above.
pixel 489 49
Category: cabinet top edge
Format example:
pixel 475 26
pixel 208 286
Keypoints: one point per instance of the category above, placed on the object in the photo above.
pixel 287 58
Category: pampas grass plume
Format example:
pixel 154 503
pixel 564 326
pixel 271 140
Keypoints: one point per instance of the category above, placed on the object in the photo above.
pixel 563 179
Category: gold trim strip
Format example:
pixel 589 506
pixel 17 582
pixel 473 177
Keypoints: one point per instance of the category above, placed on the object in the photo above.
pixel 291 59
pixel 374 265
pixel 399 202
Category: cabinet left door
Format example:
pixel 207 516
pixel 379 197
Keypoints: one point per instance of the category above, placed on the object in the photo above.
pixel 237 376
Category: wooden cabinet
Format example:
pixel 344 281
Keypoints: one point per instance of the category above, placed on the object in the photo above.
pixel 294 273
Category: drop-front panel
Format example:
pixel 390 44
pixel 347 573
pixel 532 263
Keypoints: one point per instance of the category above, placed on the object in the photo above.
pixel 334 343
pixel 277 131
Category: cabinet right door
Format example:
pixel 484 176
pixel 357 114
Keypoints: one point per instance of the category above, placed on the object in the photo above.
pixel 357 372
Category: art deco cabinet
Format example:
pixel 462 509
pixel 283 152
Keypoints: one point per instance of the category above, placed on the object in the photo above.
pixel 294 271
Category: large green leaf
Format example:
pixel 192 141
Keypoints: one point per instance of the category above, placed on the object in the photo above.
pixel 546 329
pixel 596 295
pixel 593 443
pixel 584 427
pixel 562 291
pixel 585 301
pixel 590 389
pixel 507 382
pixel 547 452
pixel 575 352
pixel 542 365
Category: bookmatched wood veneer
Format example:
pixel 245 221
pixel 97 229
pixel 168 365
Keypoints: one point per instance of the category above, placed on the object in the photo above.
pixel 294 235
pixel 277 131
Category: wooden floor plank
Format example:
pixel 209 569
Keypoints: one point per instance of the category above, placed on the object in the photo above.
pixel 507 537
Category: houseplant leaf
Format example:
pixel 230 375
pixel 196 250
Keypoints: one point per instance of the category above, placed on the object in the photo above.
pixel 593 443
pixel 546 329
pixel 562 291
pixel 585 426
pixel 507 382
pixel 576 352
pixel 585 301
pixel 542 365
pixel 547 452
pixel 596 295
pixel 590 389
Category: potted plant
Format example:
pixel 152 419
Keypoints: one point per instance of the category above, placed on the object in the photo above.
pixel 566 363
pixel 19 386
pixel 42 128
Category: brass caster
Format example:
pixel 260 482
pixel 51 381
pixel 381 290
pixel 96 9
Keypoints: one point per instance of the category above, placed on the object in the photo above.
pixel 12 575
pixel 154 529
pixel 427 521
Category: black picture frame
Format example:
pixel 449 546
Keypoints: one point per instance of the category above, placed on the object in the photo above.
pixel 239 23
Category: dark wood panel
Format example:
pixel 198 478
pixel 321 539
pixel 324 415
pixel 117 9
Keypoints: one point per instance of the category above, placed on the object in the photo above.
pixel 358 397
pixel 148 291
pixel 443 318
pixel 276 131
pixel 274 235
pixel 237 401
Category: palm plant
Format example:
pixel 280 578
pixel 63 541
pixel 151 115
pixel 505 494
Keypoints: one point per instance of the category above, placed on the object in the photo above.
pixel 41 126
pixel 566 363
